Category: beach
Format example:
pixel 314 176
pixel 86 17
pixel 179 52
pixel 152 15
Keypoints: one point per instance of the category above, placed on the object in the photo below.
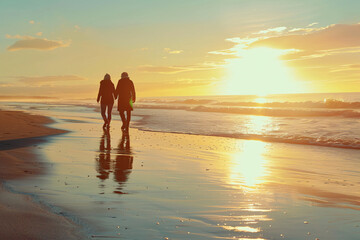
pixel 158 185
pixel 21 217
pixel 180 120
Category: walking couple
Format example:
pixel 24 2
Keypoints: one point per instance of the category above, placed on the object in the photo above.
pixel 124 92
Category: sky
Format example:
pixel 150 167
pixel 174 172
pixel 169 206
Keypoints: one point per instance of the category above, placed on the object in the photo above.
pixel 64 48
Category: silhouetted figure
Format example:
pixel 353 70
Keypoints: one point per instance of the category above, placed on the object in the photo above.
pixel 125 91
pixel 123 164
pixel 104 160
pixel 107 95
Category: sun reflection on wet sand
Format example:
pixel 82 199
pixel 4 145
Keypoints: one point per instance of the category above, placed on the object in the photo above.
pixel 246 174
pixel 251 239
pixel 248 167
pixel 242 229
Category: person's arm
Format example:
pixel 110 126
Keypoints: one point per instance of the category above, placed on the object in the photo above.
pixel 113 91
pixel 133 94
pixel 117 90
pixel 99 94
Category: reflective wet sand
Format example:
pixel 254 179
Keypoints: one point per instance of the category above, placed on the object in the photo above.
pixel 161 185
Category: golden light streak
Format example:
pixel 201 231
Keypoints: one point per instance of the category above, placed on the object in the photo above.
pixel 242 229
pixel 248 166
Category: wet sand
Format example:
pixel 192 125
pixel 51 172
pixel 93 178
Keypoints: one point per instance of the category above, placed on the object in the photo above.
pixel 179 186
pixel 20 216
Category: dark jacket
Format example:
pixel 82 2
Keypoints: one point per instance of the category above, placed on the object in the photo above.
pixel 106 92
pixel 125 91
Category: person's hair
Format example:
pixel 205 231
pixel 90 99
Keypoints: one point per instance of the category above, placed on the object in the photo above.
pixel 124 75
pixel 107 77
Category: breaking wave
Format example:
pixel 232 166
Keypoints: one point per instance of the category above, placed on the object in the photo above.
pixel 320 141
pixel 259 110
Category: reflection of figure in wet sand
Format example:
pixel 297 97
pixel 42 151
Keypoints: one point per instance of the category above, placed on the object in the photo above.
pixel 124 161
pixel 103 163
pixel 121 166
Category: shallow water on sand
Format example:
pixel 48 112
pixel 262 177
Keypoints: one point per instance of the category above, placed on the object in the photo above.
pixel 177 186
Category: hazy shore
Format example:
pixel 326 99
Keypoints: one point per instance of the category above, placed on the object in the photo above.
pixel 20 216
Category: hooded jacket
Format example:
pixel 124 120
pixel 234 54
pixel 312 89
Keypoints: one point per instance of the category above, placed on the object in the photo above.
pixel 106 92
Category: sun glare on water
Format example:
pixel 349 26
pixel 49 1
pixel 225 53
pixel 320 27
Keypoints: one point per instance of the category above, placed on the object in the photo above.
pixel 259 71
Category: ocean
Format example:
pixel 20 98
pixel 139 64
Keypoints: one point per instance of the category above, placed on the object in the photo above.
pixel 315 119
pixel 322 119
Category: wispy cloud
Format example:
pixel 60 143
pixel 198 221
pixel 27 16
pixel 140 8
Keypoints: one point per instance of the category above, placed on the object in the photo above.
pixel 183 82
pixel 173 69
pixel 178 86
pixel 312 24
pixel 302 43
pixel 28 42
pixel 241 43
pixel 337 36
pixel 302 30
pixel 346 68
pixel 62 91
pixel 42 80
pixel 272 30
pixel 17 36
pixel 170 51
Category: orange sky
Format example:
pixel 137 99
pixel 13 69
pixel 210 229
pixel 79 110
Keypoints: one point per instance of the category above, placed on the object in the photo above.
pixel 186 48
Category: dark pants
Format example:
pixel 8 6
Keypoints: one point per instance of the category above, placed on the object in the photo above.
pixel 125 119
pixel 109 107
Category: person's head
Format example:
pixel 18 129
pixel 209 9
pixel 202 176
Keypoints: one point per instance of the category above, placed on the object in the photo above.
pixel 107 77
pixel 124 75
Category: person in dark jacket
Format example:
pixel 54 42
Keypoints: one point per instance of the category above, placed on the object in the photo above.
pixel 125 91
pixel 107 95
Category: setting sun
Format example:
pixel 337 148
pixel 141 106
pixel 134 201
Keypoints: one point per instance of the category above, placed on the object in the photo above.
pixel 259 71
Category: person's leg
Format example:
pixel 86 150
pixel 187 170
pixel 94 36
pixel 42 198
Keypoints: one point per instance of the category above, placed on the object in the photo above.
pixel 123 119
pixel 109 111
pixel 128 118
pixel 103 109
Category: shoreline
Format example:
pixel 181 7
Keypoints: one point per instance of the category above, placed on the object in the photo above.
pixel 21 216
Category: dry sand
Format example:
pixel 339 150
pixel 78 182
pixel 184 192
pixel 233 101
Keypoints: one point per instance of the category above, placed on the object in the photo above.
pixel 20 216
